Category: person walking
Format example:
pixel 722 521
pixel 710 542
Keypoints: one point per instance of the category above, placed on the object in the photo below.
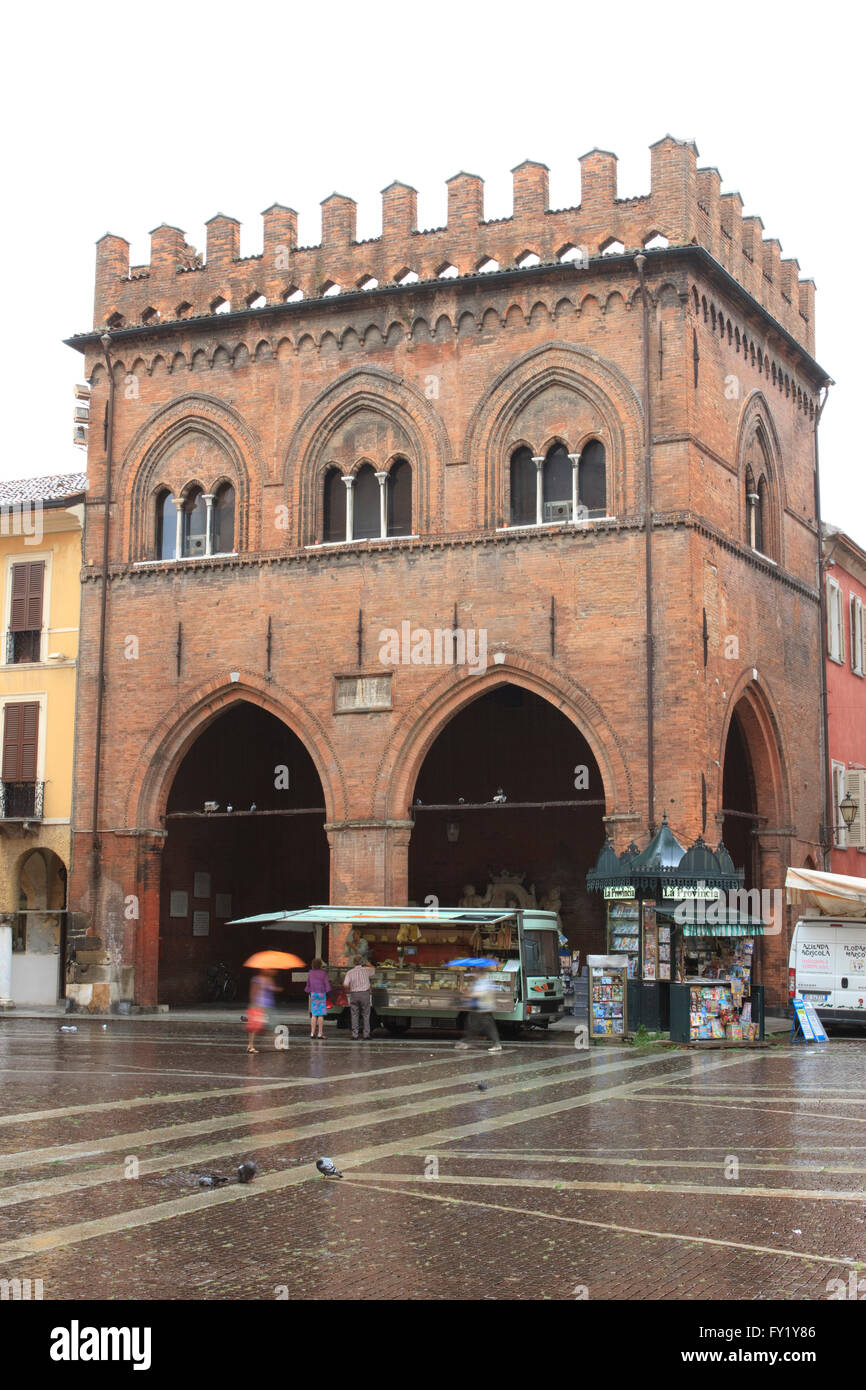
pixel 479 1015
pixel 318 987
pixel 356 983
pixel 262 991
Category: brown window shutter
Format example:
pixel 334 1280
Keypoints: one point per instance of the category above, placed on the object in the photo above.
pixel 28 582
pixel 20 741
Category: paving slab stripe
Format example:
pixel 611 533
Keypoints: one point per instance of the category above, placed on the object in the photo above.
pixel 199 1154
pixel 794 1098
pixel 181 1097
pixel 717 1105
pixel 697 1148
pixel 688 1189
pixel 550 1073
pixel 63 1112
pixel 623 1230
pixel 539 1156
pixel 24 1247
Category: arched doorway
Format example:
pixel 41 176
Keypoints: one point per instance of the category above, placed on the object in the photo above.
pixel 754 818
pixel 740 802
pixel 245 834
pixel 545 833
pixel 38 928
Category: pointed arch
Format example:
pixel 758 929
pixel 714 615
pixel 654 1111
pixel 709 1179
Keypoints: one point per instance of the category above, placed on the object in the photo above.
pixel 612 409
pixel 372 390
pixel 758 450
pixel 758 714
pixel 142 462
pixel 425 718
pixel 152 776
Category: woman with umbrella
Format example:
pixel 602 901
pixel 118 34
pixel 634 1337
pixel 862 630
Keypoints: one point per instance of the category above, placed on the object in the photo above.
pixel 263 988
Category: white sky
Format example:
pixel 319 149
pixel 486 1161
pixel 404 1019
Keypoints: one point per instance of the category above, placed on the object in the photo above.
pixel 119 117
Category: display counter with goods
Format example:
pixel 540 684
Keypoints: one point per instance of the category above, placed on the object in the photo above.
pixel 608 1009
pixel 714 998
pixel 623 934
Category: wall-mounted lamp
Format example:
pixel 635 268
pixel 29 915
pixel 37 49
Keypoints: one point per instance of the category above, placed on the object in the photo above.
pixel 452 831
pixel 849 807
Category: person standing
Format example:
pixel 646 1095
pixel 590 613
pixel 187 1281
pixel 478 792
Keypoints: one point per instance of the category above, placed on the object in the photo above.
pixel 318 987
pixel 356 983
pixel 262 990
pixel 479 1015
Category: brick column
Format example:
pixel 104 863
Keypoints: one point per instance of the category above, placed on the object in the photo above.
pixel 146 952
pixel 369 861
pixel 773 858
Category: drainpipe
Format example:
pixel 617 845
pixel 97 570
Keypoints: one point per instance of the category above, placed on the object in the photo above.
pixel 96 847
pixel 640 262
pixel 826 771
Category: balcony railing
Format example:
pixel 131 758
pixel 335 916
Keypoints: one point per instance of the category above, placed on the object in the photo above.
pixel 21 800
pixel 23 646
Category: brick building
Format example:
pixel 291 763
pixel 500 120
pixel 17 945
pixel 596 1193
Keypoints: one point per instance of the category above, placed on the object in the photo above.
pixel 845 599
pixel 323 458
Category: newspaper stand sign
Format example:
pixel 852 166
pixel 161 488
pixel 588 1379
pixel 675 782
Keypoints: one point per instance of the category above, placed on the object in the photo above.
pixel 810 1026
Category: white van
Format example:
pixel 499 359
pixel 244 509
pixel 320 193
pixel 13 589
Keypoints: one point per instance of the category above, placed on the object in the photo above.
pixel 827 966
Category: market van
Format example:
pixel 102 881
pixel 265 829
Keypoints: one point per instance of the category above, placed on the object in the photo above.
pixel 827 966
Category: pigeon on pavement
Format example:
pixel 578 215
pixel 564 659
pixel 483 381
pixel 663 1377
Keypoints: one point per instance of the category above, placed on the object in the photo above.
pixel 328 1168
pixel 247 1171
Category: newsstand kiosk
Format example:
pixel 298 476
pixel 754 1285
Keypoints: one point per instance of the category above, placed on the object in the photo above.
pixel 688 952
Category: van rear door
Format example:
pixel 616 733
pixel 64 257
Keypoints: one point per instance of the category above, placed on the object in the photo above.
pixel 851 967
pixel 815 962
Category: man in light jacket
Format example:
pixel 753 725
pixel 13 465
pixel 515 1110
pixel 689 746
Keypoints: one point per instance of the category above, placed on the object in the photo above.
pixel 356 983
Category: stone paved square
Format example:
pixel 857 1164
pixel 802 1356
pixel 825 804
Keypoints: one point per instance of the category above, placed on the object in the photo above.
pixel 544 1173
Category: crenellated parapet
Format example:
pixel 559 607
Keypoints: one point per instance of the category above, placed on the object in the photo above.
pixel 684 206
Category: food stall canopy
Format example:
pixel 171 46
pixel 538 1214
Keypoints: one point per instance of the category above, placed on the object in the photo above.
pixel 307 918
pixel 834 895
pixel 271 919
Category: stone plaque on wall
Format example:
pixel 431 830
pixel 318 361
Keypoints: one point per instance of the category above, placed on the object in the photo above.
pixel 362 693
pixel 178 904
pixel 223 906
pixel 201 924
pixel 201 885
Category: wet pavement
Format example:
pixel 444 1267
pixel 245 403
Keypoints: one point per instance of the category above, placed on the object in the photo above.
pixel 619 1173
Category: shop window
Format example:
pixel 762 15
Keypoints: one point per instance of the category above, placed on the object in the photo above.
pixel 399 485
pixel 24 638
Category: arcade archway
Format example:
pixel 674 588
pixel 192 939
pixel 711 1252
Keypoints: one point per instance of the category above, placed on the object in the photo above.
pixel 740 802
pixel 245 834
pixel 545 833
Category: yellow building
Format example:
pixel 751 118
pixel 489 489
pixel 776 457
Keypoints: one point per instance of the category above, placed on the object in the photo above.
pixel 41 523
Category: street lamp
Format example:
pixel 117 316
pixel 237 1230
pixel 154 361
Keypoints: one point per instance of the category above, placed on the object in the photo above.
pixel 849 807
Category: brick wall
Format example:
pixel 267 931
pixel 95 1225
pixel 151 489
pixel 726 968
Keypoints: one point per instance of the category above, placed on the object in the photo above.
pixel 452 375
